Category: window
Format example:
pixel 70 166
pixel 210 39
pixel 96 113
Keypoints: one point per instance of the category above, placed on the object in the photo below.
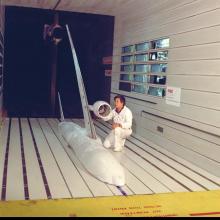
pixel 126 77
pixel 127 68
pixel 159 68
pixel 162 43
pixel 161 80
pixel 144 67
pixel 139 88
pixel 156 91
pixel 142 47
pixel 125 86
pixel 141 57
pixel 161 55
pixel 128 49
pixel 140 78
pixel 126 59
pixel 141 68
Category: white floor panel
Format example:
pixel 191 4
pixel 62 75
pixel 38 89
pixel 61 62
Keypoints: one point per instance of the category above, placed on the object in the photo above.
pixel 65 165
pixel 149 181
pixel 15 184
pixel 54 171
pixel 193 173
pixel 132 181
pixel 76 183
pixel 169 182
pixel 199 171
pixel 35 181
pixel 55 179
pixel 97 187
pixel 3 145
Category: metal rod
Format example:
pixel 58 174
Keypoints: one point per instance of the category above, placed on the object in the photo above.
pixel 86 113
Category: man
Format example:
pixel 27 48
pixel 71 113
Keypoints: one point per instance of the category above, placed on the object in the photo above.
pixel 121 127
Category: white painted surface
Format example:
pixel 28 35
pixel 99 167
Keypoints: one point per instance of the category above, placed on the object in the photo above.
pixel 149 168
pixel 78 174
pixel 52 172
pixel 35 182
pixel 193 65
pixel 92 6
pixel 15 183
pixel 3 145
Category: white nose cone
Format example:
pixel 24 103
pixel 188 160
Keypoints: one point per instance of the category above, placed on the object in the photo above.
pixel 104 166
pixel 95 158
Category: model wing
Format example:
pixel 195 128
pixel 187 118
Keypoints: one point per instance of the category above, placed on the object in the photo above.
pixel 86 113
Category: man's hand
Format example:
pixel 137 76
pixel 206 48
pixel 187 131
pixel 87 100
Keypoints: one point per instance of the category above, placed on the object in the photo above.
pixel 116 125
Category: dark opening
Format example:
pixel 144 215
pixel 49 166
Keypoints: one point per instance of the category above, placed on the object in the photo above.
pixel 27 73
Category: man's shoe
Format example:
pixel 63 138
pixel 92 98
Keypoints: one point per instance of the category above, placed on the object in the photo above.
pixel 107 144
pixel 118 149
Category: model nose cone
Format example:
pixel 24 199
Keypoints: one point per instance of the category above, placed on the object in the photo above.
pixel 118 180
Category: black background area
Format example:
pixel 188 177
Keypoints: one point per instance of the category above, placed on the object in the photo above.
pixel 27 72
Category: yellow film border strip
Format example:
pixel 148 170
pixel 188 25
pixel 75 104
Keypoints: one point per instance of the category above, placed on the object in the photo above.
pixel 157 205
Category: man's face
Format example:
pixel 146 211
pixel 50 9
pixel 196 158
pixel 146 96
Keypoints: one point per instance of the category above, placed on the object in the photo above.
pixel 118 103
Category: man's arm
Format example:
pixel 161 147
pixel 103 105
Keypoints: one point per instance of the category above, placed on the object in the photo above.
pixel 115 125
pixel 128 122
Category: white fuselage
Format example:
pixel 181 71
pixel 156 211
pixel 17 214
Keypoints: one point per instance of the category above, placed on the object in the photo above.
pixel 95 158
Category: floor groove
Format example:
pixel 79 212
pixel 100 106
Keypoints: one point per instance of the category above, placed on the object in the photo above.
pixel 35 155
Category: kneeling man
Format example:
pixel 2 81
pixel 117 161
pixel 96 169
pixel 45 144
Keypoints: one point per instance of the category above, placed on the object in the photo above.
pixel 121 127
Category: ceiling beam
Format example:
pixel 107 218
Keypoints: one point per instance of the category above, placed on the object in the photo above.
pixel 57 4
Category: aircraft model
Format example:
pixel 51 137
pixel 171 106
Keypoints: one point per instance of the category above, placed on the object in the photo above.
pixel 87 146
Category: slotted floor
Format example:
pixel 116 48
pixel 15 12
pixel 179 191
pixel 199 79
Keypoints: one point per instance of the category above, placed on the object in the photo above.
pixel 36 163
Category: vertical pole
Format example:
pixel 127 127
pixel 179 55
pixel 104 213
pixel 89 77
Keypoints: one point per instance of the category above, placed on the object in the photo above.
pixel 53 79
pixel 54 71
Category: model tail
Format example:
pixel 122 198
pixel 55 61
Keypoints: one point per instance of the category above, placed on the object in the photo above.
pixel 61 109
pixel 90 128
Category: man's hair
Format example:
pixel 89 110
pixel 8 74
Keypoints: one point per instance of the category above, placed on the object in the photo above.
pixel 121 97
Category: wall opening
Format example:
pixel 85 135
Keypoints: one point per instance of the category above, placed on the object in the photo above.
pixel 28 61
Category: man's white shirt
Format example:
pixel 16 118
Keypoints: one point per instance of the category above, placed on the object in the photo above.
pixel 124 117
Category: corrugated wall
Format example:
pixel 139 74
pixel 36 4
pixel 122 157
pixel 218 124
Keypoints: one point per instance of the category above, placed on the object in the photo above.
pixel 192 130
pixel 2 21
